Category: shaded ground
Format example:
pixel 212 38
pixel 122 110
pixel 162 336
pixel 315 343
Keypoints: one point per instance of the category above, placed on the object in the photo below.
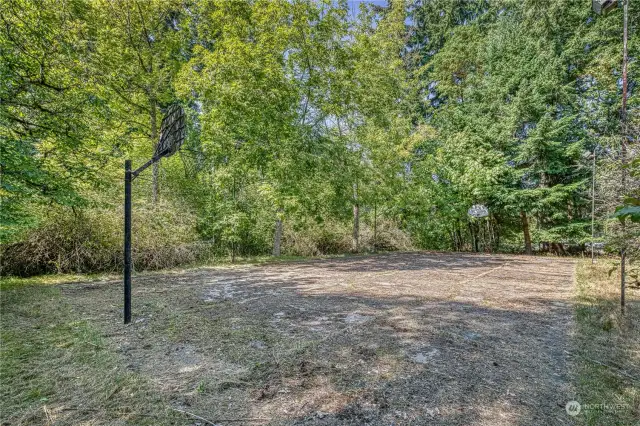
pixel 407 338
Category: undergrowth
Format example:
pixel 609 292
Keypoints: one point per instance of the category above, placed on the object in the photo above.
pixel 607 347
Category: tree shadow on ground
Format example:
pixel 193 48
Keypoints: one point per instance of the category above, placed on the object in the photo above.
pixel 390 339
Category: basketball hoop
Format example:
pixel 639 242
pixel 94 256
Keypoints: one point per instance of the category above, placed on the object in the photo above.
pixel 478 211
pixel 172 135
pixel 172 132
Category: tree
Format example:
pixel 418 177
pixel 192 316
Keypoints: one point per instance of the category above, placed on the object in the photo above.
pixel 137 50
pixel 48 115
pixel 249 88
pixel 505 109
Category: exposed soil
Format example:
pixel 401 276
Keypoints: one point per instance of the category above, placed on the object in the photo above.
pixel 406 338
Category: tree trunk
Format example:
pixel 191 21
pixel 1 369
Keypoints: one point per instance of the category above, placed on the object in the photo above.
pixel 277 238
pixel 496 233
pixel 623 151
pixel 154 142
pixel 375 227
pixel 472 234
pixel 233 252
pixel 355 239
pixel 623 261
pixel 460 246
pixel 525 231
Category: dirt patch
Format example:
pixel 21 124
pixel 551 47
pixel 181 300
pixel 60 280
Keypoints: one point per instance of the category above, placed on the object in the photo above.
pixel 408 338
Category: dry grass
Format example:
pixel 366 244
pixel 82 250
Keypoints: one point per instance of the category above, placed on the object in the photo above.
pixel 90 240
pixel 405 338
pixel 607 347
pixel 58 369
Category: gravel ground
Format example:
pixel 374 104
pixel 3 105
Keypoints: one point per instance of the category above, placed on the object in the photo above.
pixel 403 338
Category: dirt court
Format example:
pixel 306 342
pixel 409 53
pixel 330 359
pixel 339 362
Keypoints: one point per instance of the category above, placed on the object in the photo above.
pixel 406 338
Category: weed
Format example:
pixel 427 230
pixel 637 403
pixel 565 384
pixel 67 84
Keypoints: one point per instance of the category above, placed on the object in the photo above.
pixel 607 348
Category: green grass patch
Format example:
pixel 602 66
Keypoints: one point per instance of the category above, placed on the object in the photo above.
pixel 56 368
pixel 11 282
pixel 607 348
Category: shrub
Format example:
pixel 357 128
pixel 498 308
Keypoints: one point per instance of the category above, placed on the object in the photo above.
pixel 91 240
pixel 331 237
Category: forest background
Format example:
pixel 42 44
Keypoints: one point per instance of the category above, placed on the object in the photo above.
pixel 314 127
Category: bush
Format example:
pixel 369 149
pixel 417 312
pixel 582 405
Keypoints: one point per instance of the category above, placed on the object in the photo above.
pixel 335 238
pixel 389 237
pixel 91 240
pixel 316 239
pixel 164 236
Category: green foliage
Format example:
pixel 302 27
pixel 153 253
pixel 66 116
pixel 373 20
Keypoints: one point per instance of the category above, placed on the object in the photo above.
pixel 47 143
pixel 629 211
pixel 631 204
pixel 309 116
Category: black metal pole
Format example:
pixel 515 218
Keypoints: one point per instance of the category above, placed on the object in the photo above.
pixel 593 206
pixel 127 241
pixel 623 147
